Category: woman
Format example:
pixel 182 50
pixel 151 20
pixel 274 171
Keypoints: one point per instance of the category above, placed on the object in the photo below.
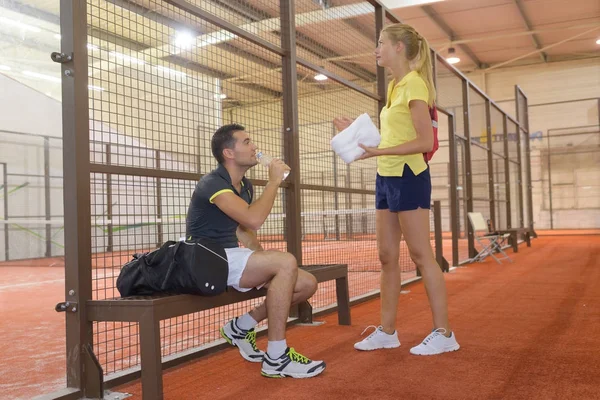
pixel 403 187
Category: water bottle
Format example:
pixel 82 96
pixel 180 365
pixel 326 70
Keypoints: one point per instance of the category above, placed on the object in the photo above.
pixel 265 160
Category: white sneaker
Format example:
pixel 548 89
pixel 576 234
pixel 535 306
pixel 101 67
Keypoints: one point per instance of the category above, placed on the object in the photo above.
pixel 291 364
pixel 378 340
pixel 244 340
pixel 436 343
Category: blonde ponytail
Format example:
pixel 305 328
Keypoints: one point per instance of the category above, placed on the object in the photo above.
pixel 417 52
pixel 424 67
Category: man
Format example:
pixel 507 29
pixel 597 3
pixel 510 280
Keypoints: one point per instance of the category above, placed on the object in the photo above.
pixel 221 209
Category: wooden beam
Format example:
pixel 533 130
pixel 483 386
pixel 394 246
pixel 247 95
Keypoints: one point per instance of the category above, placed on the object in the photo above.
pixel 439 21
pixel 535 39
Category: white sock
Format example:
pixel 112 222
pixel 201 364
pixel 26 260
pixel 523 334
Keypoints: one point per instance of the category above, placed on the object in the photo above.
pixel 246 322
pixel 276 348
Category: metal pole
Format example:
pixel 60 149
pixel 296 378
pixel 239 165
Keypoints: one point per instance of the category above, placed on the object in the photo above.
pixel 336 200
pixel 6 232
pixel 47 196
pixel 291 140
pixel 76 172
pixel 469 170
pixel 349 227
pixel 439 240
pixel 507 174
pixel 381 78
pixel 159 226
pixel 364 202
pixel 549 152
pixel 454 203
pixel 109 203
pixel 488 119
pixel 323 206
pixel 528 161
pixel 520 175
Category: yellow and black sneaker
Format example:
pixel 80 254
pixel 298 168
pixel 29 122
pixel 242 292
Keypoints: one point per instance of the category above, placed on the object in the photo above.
pixel 244 340
pixel 292 365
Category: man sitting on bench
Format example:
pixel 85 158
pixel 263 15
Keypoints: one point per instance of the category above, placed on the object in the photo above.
pixel 221 209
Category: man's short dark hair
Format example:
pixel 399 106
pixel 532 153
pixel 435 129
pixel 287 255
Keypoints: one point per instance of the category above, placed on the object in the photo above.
pixel 223 139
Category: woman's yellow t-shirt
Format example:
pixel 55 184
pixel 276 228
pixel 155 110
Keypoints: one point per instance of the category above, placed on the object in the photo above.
pixel 397 126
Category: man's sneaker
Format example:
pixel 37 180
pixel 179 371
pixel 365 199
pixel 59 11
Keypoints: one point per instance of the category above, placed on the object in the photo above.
pixel 436 343
pixel 378 340
pixel 244 340
pixel 291 364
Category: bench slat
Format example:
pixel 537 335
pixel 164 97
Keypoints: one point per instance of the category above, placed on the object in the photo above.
pixel 132 309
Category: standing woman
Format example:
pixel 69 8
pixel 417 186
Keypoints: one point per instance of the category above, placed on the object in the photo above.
pixel 403 187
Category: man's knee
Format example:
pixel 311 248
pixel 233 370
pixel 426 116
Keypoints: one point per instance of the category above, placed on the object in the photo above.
pixel 306 284
pixel 287 264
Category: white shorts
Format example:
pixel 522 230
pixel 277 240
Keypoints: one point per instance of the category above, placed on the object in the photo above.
pixel 237 257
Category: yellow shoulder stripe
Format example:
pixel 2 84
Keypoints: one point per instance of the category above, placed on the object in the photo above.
pixel 218 193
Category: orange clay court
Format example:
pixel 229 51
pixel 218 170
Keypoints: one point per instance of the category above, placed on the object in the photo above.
pixel 528 330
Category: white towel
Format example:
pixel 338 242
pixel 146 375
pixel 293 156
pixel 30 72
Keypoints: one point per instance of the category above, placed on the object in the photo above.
pixel 361 131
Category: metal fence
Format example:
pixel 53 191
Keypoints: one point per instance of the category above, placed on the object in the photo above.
pixel 150 81
pixel 568 161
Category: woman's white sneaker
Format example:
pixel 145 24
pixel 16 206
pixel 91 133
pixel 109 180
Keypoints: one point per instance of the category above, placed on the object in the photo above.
pixel 378 340
pixel 436 343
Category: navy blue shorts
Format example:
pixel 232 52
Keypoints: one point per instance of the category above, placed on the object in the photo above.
pixel 403 193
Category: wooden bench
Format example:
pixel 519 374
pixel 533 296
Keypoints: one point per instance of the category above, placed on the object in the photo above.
pixel 513 239
pixel 148 311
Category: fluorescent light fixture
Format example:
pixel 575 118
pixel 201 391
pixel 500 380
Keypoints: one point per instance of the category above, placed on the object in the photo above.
pixel 222 96
pixel 320 77
pixel 127 58
pixel 96 88
pixel 92 47
pixel 184 40
pixel 170 71
pixel 598 41
pixel 57 36
pixel 4 68
pixel 18 24
pixel 42 76
pixel 452 58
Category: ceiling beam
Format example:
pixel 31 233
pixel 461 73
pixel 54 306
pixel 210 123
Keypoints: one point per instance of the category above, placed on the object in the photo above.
pixel 153 15
pixel 32 11
pixel 500 35
pixel 536 41
pixel 542 49
pixel 302 41
pixel 439 21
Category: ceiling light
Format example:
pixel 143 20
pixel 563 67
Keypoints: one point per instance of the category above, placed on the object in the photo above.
pixel 96 88
pixel 42 76
pixel 452 58
pixel 184 40
pixel 92 46
pixel 4 68
pixel 598 41
pixel 324 4
pixel 222 96
pixel 25 27
pixel 57 36
pixel 320 77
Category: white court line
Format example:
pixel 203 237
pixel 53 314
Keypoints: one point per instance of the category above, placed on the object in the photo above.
pixel 30 284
